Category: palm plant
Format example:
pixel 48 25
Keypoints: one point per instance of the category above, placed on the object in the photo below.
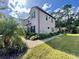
pixel 9 29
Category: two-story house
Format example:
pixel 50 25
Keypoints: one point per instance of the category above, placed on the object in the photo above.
pixel 40 21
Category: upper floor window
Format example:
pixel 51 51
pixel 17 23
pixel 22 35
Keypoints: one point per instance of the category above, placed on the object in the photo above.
pixel 46 18
pixel 48 27
pixel 49 17
pixel 52 29
pixel 33 15
pixel 52 20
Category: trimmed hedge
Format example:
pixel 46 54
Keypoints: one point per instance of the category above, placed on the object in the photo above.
pixel 34 36
pixel 43 36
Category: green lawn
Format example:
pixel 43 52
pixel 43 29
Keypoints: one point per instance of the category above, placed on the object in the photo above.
pixel 63 47
pixel 68 44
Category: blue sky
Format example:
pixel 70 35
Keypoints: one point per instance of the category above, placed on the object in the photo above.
pixel 55 3
pixel 24 6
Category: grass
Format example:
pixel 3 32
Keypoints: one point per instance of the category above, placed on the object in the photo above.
pixel 63 47
pixel 68 44
pixel 72 34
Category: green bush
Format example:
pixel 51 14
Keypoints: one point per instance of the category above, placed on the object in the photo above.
pixel 43 36
pixel 34 36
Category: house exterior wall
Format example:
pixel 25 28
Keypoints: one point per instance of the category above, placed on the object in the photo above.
pixel 46 26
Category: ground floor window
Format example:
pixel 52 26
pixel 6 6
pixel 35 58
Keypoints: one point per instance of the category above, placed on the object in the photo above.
pixel 52 29
pixel 32 29
pixel 48 27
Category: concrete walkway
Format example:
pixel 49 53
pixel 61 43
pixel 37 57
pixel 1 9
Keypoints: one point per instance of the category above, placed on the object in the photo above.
pixel 31 44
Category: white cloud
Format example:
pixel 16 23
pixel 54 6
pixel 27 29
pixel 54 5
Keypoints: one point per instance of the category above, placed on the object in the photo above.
pixel 26 10
pixel 13 14
pixel 20 13
pixel 48 11
pixel 16 3
pixel 18 7
pixel 46 6
pixel 77 9
pixel 57 10
pixel 73 7
pixel 61 10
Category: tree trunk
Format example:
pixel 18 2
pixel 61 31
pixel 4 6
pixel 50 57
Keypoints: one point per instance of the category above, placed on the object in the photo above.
pixel 7 41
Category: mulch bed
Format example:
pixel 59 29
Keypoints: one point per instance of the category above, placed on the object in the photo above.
pixel 14 56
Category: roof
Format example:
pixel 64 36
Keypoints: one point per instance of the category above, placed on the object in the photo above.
pixel 43 11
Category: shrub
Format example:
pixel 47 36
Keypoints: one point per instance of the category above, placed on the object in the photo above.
pixel 11 51
pixel 17 47
pixel 43 36
pixel 34 37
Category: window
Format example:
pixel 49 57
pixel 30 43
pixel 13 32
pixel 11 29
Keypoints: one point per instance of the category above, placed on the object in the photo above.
pixel 33 29
pixel 46 18
pixel 33 15
pixel 48 27
pixel 49 17
pixel 52 30
pixel 52 20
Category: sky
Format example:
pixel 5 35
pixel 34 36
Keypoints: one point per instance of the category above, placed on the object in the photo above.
pixel 21 8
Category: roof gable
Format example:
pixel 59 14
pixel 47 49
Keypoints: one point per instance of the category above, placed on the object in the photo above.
pixel 43 11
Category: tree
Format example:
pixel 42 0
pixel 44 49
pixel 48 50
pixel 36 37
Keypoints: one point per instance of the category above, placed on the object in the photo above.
pixel 3 7
pixel 58 15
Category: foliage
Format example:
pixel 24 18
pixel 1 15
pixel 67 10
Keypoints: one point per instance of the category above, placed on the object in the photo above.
pixel 44 36
pixel 11 33
pixel 64 18
pixel 35 37
pixel 61 23
pixel 3 7
pixel 7 27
